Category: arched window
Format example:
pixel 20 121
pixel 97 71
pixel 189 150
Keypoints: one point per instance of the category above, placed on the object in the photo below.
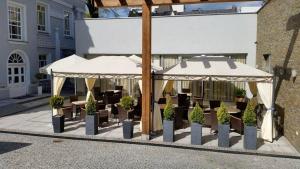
pixel 15 58
pixel 16 69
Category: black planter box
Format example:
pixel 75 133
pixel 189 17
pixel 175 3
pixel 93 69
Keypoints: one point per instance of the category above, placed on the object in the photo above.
pixel 196 134
pixel 250 140
pixel 168 131
pixel 127 129
pixel 223 135
pixel 58 123
pixel 91 125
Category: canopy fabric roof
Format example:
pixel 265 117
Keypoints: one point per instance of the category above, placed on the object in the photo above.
pixel 62 64
pixel 105 67
pixel 216 68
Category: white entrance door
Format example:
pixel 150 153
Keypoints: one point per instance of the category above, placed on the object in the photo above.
pixel 16 76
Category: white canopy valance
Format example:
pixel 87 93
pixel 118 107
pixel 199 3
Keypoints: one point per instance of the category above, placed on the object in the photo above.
pixel 106 67
pixel 216 68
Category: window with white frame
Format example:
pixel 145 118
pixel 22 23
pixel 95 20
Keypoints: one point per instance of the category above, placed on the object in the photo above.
pixel 43 62
pixel 67 23
pixel 16 69
pixel 42 17
pixel 16 21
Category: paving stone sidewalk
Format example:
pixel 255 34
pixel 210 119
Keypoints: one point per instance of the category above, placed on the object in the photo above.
pixel 13 106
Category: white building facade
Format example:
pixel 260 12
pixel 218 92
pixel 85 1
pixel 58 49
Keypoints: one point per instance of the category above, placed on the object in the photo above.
pixel 34 33
pixel 173 38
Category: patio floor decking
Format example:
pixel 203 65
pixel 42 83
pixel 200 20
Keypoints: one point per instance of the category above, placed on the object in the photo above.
pixel 39 120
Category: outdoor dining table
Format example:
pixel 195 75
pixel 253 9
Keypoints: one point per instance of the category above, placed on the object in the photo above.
pixel 231 109
pixel 80 103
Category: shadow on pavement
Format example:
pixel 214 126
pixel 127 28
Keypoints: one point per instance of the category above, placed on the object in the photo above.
pixel 6 147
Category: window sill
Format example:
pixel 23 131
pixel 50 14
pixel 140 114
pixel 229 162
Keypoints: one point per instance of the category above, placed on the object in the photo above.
pixel 68 37
pixel 44 32
pixel 17 41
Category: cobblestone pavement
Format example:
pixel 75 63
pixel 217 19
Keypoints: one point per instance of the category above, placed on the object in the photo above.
pixel 18 151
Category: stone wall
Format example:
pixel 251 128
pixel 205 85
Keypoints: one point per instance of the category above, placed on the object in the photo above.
pixel 279 36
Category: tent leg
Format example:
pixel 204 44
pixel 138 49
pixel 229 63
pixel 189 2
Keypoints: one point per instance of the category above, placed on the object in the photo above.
pixel 75 88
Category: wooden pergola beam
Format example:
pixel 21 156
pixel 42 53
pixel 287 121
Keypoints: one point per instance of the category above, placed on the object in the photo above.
pixel 124 3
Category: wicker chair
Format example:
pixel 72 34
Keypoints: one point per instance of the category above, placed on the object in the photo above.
pixel 237 124
pixel 236 121
pixel 100 106
pixel 179 117
pixel 68 112
pixel 213 121
pixel 102 116
pixel 214 104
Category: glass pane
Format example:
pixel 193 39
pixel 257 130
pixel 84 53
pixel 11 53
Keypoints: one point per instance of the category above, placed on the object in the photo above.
pixel 22 70
pixel 16 71
pixel 9 71
pixel 9 80
pixel 22 78
pixel 16 79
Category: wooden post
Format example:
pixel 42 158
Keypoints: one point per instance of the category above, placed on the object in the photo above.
pixel 146 70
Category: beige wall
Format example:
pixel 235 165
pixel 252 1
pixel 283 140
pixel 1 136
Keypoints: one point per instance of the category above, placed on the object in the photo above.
pixel 279 36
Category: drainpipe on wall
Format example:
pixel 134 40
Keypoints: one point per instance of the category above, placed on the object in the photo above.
pixel 57 44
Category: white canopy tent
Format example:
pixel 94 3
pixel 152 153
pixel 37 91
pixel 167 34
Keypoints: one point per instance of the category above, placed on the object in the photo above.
pixel 215 67
pixel 225 69
pixel 66 63
pixel 105 67
pixel 121 67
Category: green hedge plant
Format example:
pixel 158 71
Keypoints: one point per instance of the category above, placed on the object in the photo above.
pixel 240 92
pixel 249 117
pixel 197 115
pixel 56 102
pixel 126 103
pixel 90 107
pixel 223 115
pixel 169 110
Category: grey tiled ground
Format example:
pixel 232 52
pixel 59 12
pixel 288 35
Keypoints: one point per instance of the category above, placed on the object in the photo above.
pixel 39 120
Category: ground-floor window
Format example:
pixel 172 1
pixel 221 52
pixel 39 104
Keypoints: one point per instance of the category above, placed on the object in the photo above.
pixel 42 63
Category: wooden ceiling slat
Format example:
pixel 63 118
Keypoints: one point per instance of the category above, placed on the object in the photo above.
pixel 120 3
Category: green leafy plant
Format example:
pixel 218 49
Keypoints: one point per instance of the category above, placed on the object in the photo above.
pixel 249 117
pixel 39 76
pixel 240 92
pixel 197 115
pixel 169 110
pixel 56 102
pixel 126 102
pixel 223 115
pixel 90 107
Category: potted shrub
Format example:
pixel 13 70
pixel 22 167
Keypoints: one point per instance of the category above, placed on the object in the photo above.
pixel 250 131
pixel 196 119
pixel 39 76
pixel 58 119
pixel 126 103
pixel 91 125
pixel 168 126
pixel 223 126
pixel 240 95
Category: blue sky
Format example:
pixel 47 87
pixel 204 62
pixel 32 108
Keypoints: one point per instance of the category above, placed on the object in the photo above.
pixel 123 12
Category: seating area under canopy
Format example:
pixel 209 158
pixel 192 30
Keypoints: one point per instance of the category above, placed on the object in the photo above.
pixel 208 68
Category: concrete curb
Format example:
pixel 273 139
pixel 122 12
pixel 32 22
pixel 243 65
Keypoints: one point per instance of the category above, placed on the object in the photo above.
pixel 151 143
